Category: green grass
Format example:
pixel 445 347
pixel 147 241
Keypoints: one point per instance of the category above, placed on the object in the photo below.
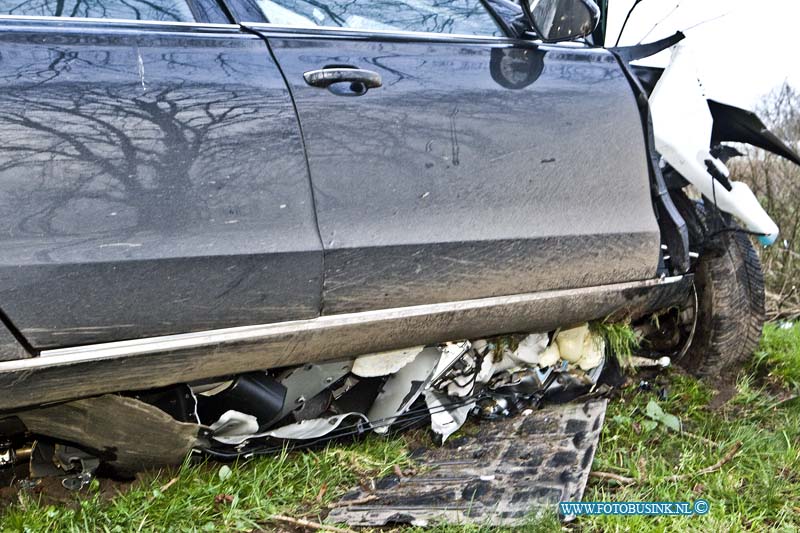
pixel 755 491
pixel 215 497
pixel 778 356
pixel 621 340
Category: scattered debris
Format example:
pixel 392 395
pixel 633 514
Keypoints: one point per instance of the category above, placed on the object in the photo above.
pixel 644 362
pixel 403 387
pixel 580 347
pixel 497 476
pixel 488 378
pixel 522 456
pixel 307 382
pixel 312 429
pixel 445 421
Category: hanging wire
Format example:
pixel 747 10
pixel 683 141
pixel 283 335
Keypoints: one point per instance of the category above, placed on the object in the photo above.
pixel 726 228
pixel 625 22
pixel 665 17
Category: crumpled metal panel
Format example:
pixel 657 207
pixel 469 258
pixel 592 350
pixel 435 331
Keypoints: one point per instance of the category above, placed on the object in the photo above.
pixel 510 469
pixel 127 433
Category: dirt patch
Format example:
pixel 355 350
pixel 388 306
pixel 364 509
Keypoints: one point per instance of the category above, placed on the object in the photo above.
pixel 50 491
pixel 725 390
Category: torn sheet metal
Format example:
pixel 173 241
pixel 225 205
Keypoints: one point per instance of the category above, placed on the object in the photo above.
pixel 403 388
pixel 509 469
pixel 446 420
pixel 115 427
pixel 315 428
pixel 305 382
pixel 305 429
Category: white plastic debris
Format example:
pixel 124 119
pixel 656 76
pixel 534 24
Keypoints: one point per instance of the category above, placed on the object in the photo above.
pixel 530 348
pixel 305 429
pixel 594 349
pixel 234 424
pixel 550 356
pixel 445 420
pixel 313 428
pixel 493 361
pixel 571 342
pixel 663 362
pixel 402 389
pixel 456 370
pixel 384 363
pixel 580 347
pixel 451 352
pixel 526 354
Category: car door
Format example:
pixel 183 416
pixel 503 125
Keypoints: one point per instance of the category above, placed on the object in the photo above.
pixel 152 175
pixel 480 166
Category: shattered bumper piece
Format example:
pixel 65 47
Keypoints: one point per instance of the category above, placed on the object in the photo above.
pixel 509 470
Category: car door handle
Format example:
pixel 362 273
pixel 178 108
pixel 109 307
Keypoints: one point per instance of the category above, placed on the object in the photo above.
pixel 326 77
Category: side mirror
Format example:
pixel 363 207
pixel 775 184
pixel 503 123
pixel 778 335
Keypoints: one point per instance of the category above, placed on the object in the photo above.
pixel 562 20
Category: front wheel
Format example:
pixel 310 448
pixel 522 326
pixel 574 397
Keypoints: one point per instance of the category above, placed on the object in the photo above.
pixel 730 297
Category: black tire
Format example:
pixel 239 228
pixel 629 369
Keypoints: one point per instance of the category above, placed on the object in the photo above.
pixel 730 296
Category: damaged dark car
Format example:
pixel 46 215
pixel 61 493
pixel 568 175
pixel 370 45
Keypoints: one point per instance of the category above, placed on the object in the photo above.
pixel 229 225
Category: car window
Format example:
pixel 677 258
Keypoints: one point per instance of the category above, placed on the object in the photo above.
pixel 468 17
pixel 159 10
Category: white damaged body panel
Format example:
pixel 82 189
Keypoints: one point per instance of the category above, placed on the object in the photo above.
pixel 403 388
pixel 682 126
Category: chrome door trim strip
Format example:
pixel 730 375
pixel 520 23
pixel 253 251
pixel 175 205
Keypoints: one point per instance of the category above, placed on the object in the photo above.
pixel 334 31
